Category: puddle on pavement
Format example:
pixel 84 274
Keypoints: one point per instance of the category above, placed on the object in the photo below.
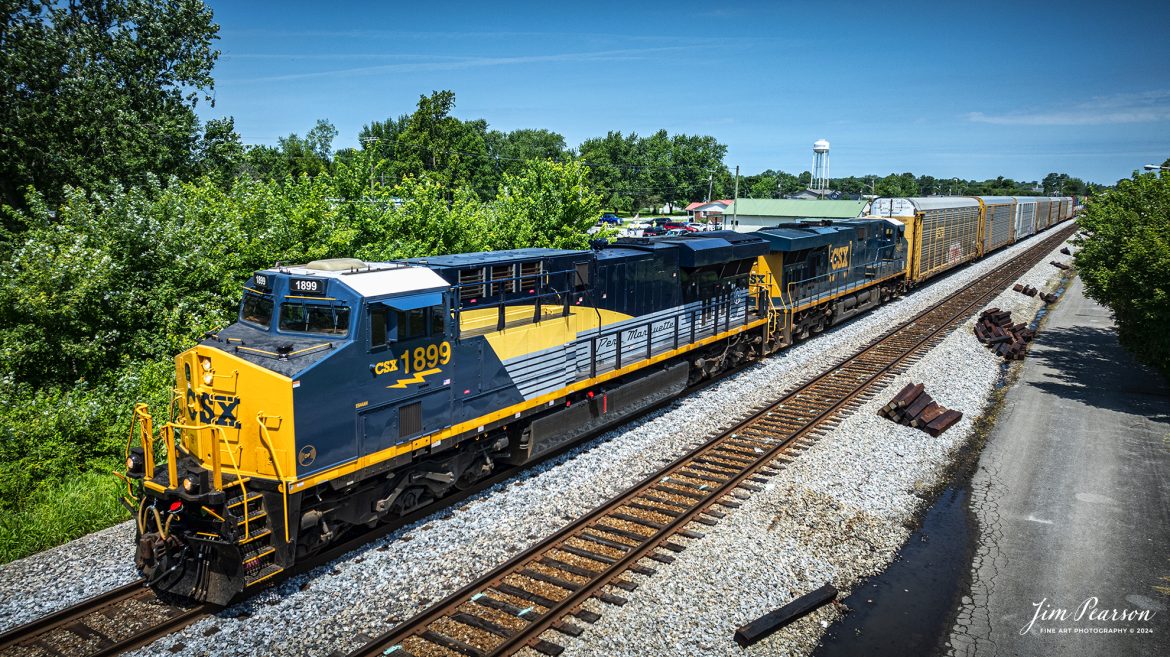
pixel 908 608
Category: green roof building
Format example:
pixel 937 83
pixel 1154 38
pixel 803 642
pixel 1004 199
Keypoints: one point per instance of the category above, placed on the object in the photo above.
pixel 751 214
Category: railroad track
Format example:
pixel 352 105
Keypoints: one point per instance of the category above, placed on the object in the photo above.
pixel 511 607
pixel 109 624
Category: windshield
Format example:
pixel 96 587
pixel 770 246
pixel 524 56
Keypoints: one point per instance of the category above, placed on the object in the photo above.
pixel 256 309
pixel 314 318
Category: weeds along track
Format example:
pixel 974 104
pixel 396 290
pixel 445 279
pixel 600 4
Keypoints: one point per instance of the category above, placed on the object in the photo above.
pixel 543 588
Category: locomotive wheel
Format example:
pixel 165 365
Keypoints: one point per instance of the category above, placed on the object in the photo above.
pixel 412 498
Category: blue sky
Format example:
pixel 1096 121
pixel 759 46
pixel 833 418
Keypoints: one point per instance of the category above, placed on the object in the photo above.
pixel 966 89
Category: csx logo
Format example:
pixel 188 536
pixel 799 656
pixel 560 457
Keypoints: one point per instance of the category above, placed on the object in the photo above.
pixel 385 367
pixel 839 257
pixel 219 410
pixel 757 279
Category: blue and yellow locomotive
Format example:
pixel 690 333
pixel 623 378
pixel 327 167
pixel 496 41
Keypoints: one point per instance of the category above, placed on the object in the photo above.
pixel 350 392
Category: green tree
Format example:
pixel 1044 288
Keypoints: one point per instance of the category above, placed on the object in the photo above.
pixel 294 155
pixel 449 151
pixel 694 161
pixel 512 150
pixel 94 92
pixel 219 153
pixel 1124 261
pixel 1053 183
pixel 610 160
pixel 381 138
pixel 548 204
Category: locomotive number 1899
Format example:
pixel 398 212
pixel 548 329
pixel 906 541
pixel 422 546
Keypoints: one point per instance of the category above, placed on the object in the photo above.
pixel 424 358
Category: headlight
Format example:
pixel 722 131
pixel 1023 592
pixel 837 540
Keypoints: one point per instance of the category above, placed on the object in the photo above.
pixel 206 363
pixel 136 462
pixel 190 484
pixel 207 378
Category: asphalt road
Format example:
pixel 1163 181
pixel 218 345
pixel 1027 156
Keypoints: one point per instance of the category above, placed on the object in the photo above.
pixel 1072 497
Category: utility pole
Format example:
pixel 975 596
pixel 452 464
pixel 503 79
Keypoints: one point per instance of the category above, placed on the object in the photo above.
pixel 735 203
pixel 710 183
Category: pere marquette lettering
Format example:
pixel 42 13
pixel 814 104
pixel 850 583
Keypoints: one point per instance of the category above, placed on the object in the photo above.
pixel 633 335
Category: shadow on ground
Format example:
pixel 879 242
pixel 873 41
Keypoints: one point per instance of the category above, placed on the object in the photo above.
pixel 1081 357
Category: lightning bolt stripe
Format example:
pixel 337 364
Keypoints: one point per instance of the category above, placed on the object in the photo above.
pixel 418 377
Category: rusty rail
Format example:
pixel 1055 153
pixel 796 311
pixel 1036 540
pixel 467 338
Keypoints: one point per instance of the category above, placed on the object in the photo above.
pixel 112 623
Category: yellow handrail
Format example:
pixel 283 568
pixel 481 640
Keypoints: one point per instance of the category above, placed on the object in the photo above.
pixel 143 421
pixel 216 469
pixel 267 440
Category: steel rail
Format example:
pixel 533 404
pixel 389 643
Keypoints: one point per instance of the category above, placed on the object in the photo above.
pixel 68 632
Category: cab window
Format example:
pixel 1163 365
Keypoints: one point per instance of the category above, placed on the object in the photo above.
pixel 314 318
pixel 392 325
pixel 256 309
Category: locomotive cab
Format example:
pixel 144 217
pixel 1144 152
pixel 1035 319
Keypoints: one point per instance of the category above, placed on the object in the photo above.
pixel 213 517
pixel 820 273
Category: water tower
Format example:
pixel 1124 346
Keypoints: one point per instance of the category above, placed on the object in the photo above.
pixel 820 170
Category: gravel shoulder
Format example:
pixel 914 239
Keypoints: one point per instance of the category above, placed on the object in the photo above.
pixel 836 514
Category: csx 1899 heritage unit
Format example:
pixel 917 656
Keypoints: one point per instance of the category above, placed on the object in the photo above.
pixel 351 392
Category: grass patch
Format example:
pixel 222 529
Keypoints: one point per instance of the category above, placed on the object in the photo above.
pixel 62 511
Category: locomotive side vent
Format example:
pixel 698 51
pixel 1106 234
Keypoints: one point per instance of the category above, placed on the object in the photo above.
pixel 410 420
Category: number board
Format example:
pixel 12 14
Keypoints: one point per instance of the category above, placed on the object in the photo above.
pixel 306 286
pixel 262 281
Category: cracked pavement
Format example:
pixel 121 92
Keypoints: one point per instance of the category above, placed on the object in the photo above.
pixel 1072 501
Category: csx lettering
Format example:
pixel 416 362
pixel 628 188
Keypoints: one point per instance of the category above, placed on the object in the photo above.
pixel 385 367
pixel 224 416
pixel 839 257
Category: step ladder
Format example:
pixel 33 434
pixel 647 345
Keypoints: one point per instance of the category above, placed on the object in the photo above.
pixel 254 533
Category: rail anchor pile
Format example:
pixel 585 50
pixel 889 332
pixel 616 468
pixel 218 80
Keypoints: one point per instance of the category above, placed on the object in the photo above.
pixel 1030 291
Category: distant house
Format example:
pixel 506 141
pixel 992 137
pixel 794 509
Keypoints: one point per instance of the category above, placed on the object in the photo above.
pixel 811 194
pixel 751 214
pixel 707 210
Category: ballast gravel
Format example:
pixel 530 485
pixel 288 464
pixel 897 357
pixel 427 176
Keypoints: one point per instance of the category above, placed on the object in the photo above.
pixel 838 513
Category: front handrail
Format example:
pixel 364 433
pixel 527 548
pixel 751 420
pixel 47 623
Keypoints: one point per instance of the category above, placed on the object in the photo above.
pixel 143 423
pixel 267 440
pixel 216 466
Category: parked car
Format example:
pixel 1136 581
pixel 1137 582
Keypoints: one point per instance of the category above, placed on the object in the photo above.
pixel 610 218
pixel 679 225
pixel 677 232
pixel 653 231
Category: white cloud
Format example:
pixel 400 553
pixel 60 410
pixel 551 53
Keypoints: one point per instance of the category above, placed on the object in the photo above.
pixel 1142 107
pixel 466 63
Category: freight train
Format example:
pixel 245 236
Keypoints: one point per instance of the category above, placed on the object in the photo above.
pixel 348 393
